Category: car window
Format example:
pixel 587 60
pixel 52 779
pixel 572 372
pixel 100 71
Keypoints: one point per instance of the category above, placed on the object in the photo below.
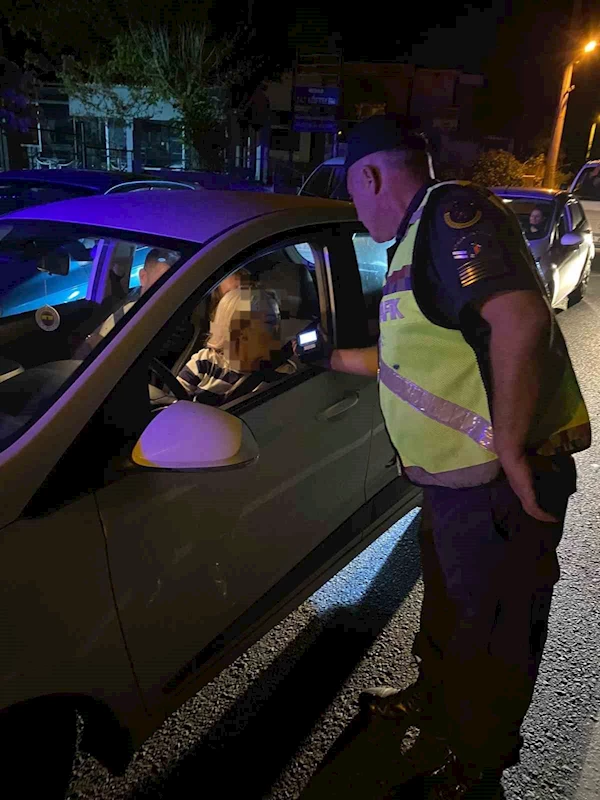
pixel 142 186
pixel 338 189
pixel 372 258
pixel 245 328
pixel 22 194
pixel 587 186
pixel 576 215
pixel 46 337
pixel 534 215
pixel 319 183
pixel 27 284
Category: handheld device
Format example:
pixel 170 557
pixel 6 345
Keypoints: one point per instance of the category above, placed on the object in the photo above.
pixel 307 341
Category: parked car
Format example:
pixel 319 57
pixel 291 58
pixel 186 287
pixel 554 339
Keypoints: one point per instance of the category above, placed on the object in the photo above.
pixel 25 188
pixel 561 242
pixel 32 187
pixel 148 540
pixel 327 180
pixel 586 188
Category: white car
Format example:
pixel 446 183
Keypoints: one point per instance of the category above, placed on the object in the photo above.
pixel 586 188
pixel 148 540
pixel 327 180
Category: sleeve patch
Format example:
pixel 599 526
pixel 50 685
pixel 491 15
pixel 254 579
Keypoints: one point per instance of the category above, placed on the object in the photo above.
pixel 462 214
pixel 477 258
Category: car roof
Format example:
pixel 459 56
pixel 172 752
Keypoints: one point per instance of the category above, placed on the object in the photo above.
pixel 97 180
pixel 191 216
pixel 526 192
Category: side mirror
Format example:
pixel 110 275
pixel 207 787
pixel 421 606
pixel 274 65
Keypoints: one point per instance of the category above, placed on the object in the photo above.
pixel 571 239
pixel 192 436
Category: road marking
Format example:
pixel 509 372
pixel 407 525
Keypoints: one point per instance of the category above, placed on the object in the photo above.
pixel 589 781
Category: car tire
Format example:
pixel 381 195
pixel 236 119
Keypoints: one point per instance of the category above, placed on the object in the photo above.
pixel 38 747
pixel 579 292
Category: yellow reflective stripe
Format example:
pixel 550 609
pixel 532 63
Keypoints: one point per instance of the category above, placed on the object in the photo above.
pixel 460 419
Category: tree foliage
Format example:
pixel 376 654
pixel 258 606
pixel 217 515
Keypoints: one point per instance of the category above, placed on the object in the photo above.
pixel 185 66
pixel 498 168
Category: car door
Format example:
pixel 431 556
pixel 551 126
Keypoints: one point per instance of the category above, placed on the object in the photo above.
pixel 370 260
pixel 580 226
pixel 568 256
pixel 191 552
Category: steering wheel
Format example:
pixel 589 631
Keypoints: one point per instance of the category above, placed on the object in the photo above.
pixel 167 377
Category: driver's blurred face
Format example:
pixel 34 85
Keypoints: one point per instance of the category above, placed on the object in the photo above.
pixel 536 218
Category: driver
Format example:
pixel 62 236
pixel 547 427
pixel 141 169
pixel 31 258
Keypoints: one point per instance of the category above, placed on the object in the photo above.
pixel 537 221
pixel 244 334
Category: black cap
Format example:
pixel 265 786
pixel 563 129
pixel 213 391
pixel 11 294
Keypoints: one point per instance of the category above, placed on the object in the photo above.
pixel 380 133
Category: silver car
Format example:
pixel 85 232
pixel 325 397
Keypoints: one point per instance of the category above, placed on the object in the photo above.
pixel 586 188
pixel 560 238
pixel 148 540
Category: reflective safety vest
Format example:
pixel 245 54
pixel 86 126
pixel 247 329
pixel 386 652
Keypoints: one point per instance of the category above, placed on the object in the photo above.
pixel 433 397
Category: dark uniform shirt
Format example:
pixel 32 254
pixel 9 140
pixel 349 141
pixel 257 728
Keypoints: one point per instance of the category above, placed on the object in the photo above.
pixel 473 253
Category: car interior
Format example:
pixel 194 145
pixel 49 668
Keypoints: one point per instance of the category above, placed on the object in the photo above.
pixel 289 277
pixel 36 361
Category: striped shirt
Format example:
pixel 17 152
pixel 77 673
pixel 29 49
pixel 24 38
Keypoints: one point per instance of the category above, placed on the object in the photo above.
pixel 207 373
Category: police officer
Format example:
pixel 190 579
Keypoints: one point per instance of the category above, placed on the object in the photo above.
pixel 484 411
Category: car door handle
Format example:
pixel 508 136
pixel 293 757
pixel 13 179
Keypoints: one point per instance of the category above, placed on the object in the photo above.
pixel 343 405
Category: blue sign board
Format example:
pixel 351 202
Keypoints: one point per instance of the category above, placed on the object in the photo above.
pixel 315 109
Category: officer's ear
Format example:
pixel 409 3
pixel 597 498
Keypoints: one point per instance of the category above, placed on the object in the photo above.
pixel 371 177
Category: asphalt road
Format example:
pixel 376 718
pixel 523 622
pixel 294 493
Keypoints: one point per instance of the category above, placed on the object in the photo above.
pixel 280 722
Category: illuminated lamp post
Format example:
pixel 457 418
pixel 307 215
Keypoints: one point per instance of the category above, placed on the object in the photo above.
pixel 559 120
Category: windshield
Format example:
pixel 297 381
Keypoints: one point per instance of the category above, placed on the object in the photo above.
pixel 64 289
pixel 328 181
pixel 587 186
pixel 535 216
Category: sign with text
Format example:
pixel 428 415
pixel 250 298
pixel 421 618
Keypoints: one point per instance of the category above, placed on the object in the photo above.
pixel 315 108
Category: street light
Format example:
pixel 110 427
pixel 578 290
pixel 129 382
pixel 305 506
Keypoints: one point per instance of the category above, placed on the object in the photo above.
pixel 559 120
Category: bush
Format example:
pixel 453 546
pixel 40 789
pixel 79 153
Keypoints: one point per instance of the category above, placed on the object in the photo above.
pixel 498 168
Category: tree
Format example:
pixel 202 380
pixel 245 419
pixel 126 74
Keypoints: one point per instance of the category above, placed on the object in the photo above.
pixel 185 66
pixel 498 168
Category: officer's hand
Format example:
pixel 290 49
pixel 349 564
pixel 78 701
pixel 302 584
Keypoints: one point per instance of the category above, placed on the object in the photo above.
pixel 519 475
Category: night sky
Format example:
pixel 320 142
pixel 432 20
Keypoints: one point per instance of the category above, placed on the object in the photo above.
pixel 520 46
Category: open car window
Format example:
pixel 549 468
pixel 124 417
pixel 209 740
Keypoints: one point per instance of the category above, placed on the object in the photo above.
pixel 535 216
pixel 65 290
